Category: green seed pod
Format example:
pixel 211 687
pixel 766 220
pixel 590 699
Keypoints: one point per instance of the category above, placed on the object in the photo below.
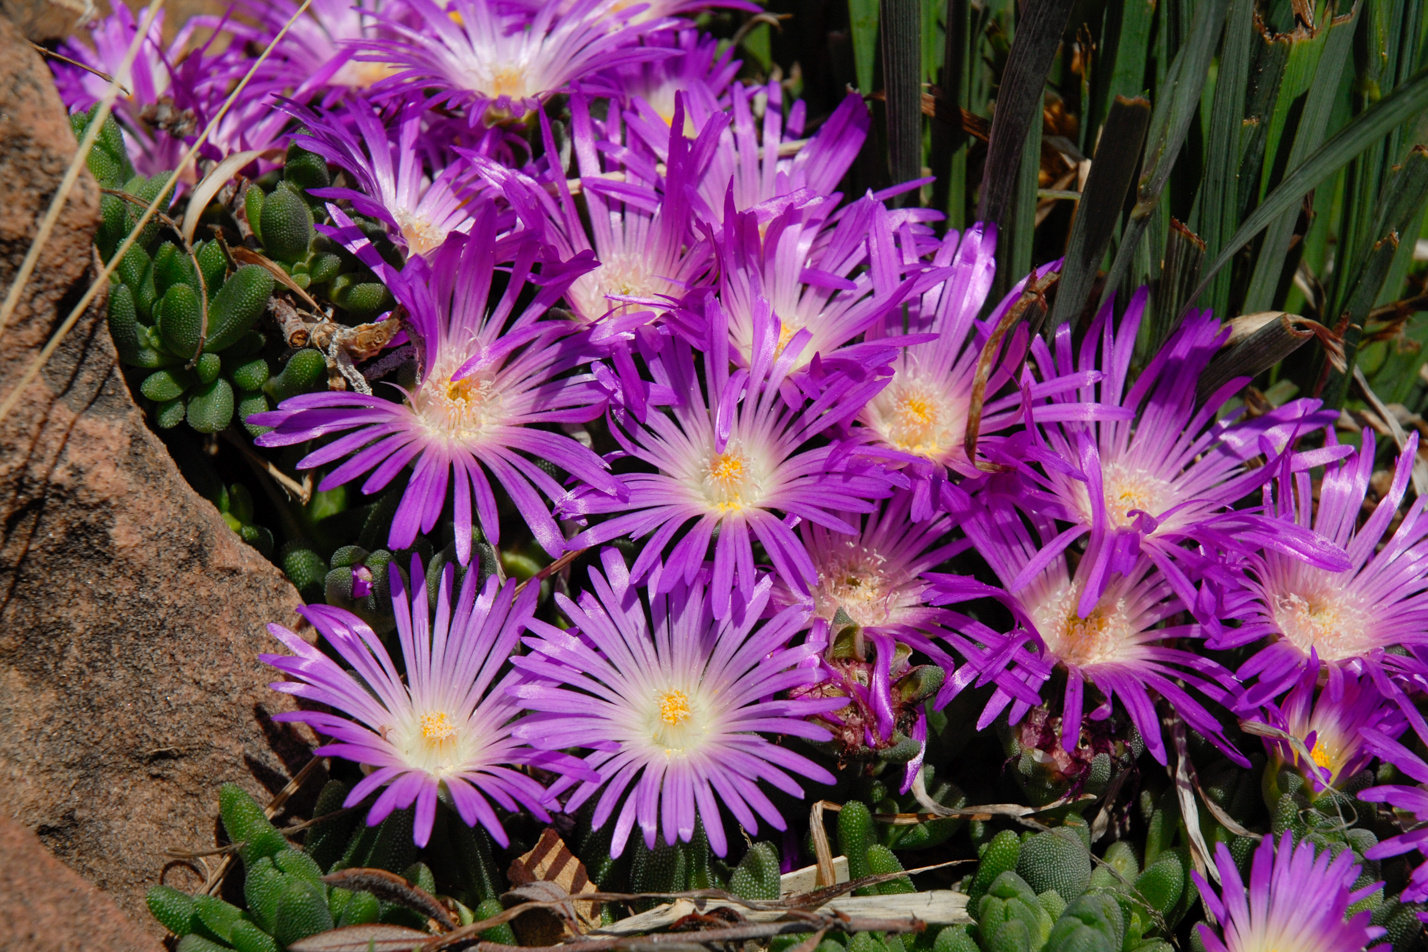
pixel 1093 923
pixel 170 414
pixel 297 863
pixel 163 385
pixel 327 837
pixel 304 372
pixel 212 263
pixel 249 938
pixel 503 933
pixel 306 570
pixel 250 374
pixel 208 367
pixel 1162 883
pixel 999 857
pixel 249 404
pixel 247 826
pixel 108 159
pixel 262 887
pixel 216 916
pixel 237 305
pixel 146 190
pixel 659 870
pixel 304 169
pixel 134 267
pixel 347 556
pixel 1055 859
pixel 210 408
pixel 253 200
pixel 361 909
pixel 180 320
pixel 954 939
pixel 323 267
pixel 363 300
pixel 881 861
pixel 855 835
pixel 302 911
pixel 173 909
pixel 286 225
pixel 197 943
pixel 171 267
pixel 756 876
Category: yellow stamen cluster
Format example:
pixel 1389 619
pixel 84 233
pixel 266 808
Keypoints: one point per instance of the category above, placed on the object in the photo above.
pixel 674 707
pixel 437 727
pixel 1333 624
pixel 917 417
pixel 458 410
pixel 730 484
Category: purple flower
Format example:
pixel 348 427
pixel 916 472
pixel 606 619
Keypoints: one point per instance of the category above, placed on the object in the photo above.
pixel 834 275
pixel 1116 645
pixel 498 61
pixel 734 455
pixel 1162 482
pixel 319 47
pixel 639 225
pixel 392 184
pixel 447 725
pixel 919 421
pixel 673 705
pixel 698 70
pixel 1402 797
pixel 1297 899
pixel 878 578
pixel 147 80
pixel 1343 618
pixel 748 163
pixel 490 373
pixel 1331 728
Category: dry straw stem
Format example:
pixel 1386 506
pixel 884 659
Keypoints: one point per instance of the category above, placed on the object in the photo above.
pixel 39 362
pixel 71 174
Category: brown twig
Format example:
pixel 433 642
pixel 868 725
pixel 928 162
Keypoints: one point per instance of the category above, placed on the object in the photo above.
pixel 78 65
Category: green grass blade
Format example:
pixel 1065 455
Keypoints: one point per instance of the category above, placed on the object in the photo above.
pixel 900 26
pixel 1314 119
pixel 1169 125
pixel 1219 190
pixel 1367 129
pixel 1112 174
pixel 863 24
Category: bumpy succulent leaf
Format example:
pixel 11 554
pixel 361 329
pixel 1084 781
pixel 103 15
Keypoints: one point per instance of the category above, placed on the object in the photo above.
pixel 286 225
pixel 210 408
pixel 247 826
pixel 237 305
pixel 756 876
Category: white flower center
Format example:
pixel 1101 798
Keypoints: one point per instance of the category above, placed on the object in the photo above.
pixel 856 579
pixel 627 275
pixel 422 237
pixel 676 721
pixel 1100 637
pixel 730 483
pixel 458 410
pixel 1336 625
pixel 1126 490
pixel 435 743
pixel 362 73
pixel 918 417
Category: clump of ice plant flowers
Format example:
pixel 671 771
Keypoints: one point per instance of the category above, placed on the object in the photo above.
pixel 491 371
pixel 674 704
pixel 445 729
pixel 738 453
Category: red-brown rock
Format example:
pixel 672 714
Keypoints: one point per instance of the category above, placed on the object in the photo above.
pixel 131 616
pixel 46 907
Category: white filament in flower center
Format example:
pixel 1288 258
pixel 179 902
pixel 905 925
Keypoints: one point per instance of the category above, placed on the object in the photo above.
pixel 676 720
pixel 422 237
pixel 460 410
pixel 1100 637
pixel 854 579
pixel 627 275
pixel 918 417
pixel 1334 624
pixel 434 742
pixel 730 483
pixel 1128 490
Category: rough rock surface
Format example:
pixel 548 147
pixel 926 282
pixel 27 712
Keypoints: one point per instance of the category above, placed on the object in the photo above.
pixel 131 617
pixel 45 907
